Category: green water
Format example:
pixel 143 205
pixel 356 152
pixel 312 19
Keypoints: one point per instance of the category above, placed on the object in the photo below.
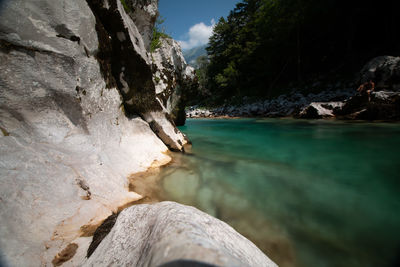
pixel 308 193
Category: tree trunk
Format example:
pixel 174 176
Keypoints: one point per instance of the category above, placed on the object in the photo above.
pixel 298 54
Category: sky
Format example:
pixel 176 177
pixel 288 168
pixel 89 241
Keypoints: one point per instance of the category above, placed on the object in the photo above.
pixel 191 21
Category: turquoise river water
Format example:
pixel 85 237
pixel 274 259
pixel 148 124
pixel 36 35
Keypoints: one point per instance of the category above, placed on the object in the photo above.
pixel 308 193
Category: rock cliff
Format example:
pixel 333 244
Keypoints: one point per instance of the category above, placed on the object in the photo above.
pixel 171 74
pixel 125 58
pixel 79 113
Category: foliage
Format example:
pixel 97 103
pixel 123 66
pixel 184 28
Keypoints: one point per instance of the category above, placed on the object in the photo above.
pixel 201 73
pixel 266 44
pixel 198 92
pixel 126 7
pixel 158 34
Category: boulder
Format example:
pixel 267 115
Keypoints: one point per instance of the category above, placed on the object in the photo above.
pixel 382 99
pixel 167 233
pixel 317 110
pixel 381 106
pixel 384 71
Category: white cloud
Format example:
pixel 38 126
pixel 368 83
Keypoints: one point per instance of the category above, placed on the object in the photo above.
pixel 198 35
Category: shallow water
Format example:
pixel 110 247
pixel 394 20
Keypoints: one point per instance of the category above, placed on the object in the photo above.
pixel 308 193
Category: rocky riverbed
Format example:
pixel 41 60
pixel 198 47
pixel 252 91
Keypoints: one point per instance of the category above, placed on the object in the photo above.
pixel 339 100
pixel 282 106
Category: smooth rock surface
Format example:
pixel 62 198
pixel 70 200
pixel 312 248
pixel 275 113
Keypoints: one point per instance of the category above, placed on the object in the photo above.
pixel 164 128
pixel 318 110
pixel 68 141
pixel 157 234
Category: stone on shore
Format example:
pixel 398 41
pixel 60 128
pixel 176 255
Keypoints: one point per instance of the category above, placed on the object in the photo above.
pixel 381 105
pixel 169 233
pixel 317 110
pixel 384 71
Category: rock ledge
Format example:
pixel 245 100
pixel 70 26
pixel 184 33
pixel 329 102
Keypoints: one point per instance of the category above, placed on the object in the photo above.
pixel 167 232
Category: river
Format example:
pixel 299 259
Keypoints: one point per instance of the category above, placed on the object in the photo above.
pixel 308 193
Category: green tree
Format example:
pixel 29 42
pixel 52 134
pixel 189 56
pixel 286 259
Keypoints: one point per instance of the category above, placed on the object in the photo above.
pixel 266 44
pixel 201 72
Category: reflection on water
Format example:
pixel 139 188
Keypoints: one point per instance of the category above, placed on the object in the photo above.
pixel 308 193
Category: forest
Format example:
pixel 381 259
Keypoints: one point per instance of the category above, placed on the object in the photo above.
pixel 265 47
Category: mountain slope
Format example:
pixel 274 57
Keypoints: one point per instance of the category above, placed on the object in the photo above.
pixel 192 54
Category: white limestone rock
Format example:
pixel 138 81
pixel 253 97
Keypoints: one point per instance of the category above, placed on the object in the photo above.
pixel 144 14
pixel 134 35
pixel 129 63
pixel 169 61
pixel 385 95
pixel 166 232
pixel 172 76
pixel 165 130
pixel 66 144
pixel 320 110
